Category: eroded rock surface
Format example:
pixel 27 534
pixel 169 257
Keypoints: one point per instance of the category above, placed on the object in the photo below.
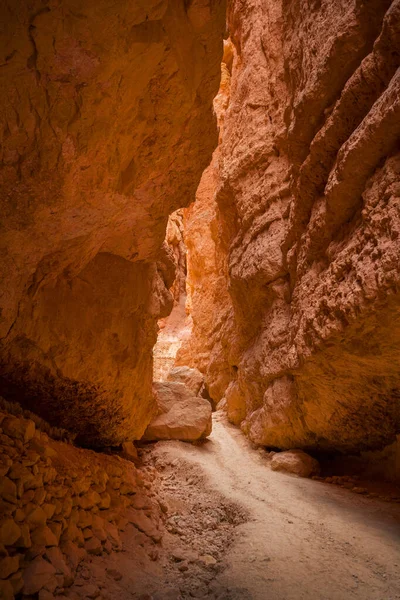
pixel 295 462
pixel 304 224
pixel 192 378
pixel 180 414
pixel 107 125
pixel 207 242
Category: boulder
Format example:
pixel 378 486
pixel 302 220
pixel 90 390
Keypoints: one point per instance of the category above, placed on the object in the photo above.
pixel 17 582
pixel 296 462
pixel 6 590
pixel 144 524
pixel 45 595
pixel 192 378
pixel 73 554
pixel 37 517
pixel 56 558
pixel 129 451
pixel 181 415
pixel 43 536
pixel 105 501
pixel 9 532
pixel 24 540
pixel 22 429
pixel 93 546
pixel 37 575
pixel 8 490
pixel 113 535
pixel 8 566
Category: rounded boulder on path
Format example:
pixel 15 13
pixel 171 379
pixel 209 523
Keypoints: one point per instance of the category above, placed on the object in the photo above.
pixel 295 462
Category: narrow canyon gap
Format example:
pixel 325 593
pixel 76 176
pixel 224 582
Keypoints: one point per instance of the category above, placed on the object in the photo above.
pixel 200 242
pixel 294 238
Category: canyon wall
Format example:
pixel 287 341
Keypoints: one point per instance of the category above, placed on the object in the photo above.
pixel 303 221
pixel 207 242
pixel 107 125
pixel 171 328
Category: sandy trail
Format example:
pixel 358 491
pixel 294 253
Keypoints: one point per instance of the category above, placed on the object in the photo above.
pixel 235 530
pixel 303 539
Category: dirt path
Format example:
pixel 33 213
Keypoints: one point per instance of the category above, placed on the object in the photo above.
pixel 303 539
pixel 235 530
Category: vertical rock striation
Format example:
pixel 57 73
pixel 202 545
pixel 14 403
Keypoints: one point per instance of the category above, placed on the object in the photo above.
pixel 207 241
pixel 306 223
pixel 106 127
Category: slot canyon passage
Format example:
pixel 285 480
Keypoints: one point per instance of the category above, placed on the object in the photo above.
pixel 199 299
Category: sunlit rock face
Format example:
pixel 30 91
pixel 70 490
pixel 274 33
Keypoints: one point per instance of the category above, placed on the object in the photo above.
pixel 107 125
pixel 208 301
pixel 177 249
pixel 306 203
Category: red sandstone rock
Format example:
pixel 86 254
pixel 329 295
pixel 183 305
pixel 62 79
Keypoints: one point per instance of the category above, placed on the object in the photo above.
pixel 181 415
pixel 8 566
pixel 305 226
pixel 129 452
pixel 43 525
pixel 174 238
pixel 296 462
pixel 9 532
pixel 192 378
pixel 208 300
pixel 107 125
pixel 43 536
pixel 6 590
pixel 55 556
pixel 37 575
pixel 22 429
pixel 143 524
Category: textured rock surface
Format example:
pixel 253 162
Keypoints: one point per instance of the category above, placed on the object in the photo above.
pixel 181 415
pixel 306 211
pixel 207 242
pixel 59 504
pixel 172 329
pixel 295 462
pixel 174 239
pixel 106 128
pixel 192 378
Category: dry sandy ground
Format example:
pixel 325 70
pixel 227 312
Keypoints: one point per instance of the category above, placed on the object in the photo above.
pixel 237 530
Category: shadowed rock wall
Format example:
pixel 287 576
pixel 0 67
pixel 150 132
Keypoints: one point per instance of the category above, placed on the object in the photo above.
pixel 107 124
pixel 307 218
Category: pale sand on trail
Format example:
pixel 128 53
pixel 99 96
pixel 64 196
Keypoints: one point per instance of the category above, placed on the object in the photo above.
pixel 235 530
pixel 303 539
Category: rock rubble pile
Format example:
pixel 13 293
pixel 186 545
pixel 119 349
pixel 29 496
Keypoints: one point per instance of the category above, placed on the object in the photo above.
pixel 59 505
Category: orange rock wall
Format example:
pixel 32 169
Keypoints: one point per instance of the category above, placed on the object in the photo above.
pixel 306 224
pixel 174 240
pixel 171 327
pixel 207 240
pixel 107 124
pixel 208 301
